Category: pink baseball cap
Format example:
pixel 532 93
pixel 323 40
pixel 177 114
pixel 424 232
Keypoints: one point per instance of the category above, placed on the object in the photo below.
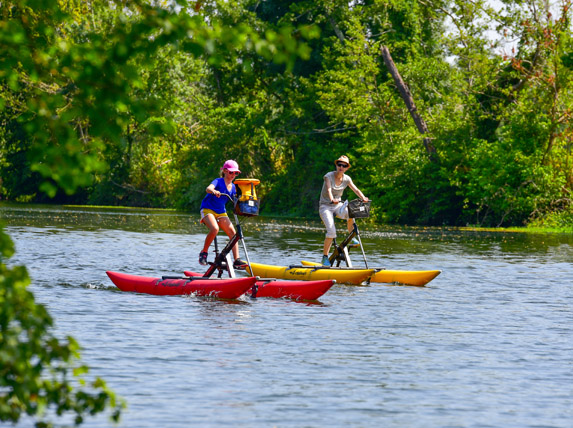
pixel 231 165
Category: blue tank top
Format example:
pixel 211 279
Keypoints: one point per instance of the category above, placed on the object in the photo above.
pixel 211 202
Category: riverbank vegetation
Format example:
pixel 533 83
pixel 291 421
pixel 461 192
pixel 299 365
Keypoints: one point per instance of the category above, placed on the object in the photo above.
pixel 494 87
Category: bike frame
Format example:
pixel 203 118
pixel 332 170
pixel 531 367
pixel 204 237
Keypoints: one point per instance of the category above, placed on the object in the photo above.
pixel 223 260
pixel 341 254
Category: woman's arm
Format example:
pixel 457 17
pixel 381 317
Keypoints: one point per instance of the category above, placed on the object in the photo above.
pixel 357 191
pixel 211 189
pixel 329 191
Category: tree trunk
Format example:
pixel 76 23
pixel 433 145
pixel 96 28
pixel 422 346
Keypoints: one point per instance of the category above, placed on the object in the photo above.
pixel 409 101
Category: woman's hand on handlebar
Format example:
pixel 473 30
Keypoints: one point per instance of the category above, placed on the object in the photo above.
pixel 228 196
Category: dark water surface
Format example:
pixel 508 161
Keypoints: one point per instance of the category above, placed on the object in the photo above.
pixel 488 343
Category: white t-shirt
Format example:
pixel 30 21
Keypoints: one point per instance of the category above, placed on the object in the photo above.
pixel 336 190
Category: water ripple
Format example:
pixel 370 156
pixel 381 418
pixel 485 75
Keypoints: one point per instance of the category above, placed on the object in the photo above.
pixel 487 343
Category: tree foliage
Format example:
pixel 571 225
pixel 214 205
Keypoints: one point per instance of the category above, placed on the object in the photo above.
pixel 493 86
pixel 96 96
pixel 35 364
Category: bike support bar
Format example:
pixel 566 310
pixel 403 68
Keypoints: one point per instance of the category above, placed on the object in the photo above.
pixel 340 253
pixel 222 260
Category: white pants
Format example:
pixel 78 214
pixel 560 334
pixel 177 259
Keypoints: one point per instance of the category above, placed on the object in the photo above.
pixel 327 213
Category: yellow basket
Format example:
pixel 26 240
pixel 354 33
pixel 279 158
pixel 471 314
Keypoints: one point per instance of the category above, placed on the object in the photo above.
pixel 248 203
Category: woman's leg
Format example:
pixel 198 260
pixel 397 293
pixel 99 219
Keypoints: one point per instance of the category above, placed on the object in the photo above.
pixel 350 224
pixel 326 247
pixel 211 222
pixel 228 228
pixel 327 216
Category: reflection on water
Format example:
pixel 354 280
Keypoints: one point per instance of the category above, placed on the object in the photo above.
pixel 487 343
pixel 285 232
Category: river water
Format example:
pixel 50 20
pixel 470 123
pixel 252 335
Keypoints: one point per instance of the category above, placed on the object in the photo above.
pixel 488 343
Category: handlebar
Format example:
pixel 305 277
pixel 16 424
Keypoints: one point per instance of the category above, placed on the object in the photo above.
pixel 369 200
pixel 228 196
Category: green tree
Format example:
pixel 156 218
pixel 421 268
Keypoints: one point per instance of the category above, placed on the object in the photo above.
pixel 75 78
pixel 352 106
pixel 500 123
pixel 516 167
pixel 35 364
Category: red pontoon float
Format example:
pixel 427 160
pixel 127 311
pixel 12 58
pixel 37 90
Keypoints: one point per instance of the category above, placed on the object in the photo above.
pixel 297 290
pixel 231 288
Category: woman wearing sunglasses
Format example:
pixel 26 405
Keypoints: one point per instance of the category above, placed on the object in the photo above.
pixel 331 205
pixel 213 212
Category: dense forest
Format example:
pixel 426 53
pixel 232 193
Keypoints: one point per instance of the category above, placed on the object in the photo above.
pixel 285 87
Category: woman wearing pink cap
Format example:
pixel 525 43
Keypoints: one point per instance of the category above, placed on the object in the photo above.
pixel 213 212
pixel 330 203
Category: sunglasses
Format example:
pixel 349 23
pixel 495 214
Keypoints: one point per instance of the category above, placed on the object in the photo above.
pixel 233 172
pixel 343 165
